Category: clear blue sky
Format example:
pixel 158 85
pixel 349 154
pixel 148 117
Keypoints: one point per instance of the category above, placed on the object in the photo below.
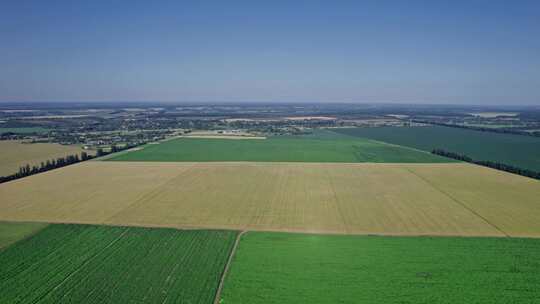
pixel 478 52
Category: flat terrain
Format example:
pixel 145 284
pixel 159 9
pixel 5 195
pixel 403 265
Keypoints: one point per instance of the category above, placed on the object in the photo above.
pixel 98 264
pixel 517 150
pixel 27 130
pixel 12 232
pixel 395 199
pixel 294 268
pixel 15 154
pixel 279 149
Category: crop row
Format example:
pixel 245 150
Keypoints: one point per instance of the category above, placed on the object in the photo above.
pixel 97 264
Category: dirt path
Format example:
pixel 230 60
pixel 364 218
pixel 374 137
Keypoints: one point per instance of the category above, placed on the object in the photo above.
pixel 226 270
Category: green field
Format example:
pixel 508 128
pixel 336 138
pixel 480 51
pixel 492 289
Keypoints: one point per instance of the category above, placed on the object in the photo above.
pixel 278 149
pixel 10 232
pixel 99 264
pixel 28 130
pixel 295 268
pixel 517 150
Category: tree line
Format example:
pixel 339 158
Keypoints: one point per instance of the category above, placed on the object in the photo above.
pixel 487 163
pixel 50 164
pixel 60 162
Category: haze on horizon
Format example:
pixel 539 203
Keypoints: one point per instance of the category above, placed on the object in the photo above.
pixel 457 52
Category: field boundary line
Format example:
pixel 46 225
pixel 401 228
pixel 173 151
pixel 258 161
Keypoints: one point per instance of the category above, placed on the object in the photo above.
pixel 227 266
pixel 408 148
pixel 458 202
pixel 277 230
pixel 26 236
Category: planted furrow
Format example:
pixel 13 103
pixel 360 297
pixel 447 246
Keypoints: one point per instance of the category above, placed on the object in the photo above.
pixel 100 264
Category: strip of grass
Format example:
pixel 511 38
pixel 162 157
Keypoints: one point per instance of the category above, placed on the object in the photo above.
pixel 276 149
pixel 295 268
pixel 517 150
pixel 29 130
pixel 11 232
pixel 98 264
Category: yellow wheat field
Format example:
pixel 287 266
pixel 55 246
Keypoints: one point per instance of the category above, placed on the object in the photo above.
pixel 393 199
pixel 14 154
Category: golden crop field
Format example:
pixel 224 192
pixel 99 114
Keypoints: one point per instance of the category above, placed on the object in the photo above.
pixel 360 198
pixel 15 154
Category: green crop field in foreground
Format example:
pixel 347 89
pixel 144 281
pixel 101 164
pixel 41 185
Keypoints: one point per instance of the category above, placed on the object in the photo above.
pixel 517 150
pixel 10 232
pixel 99 264
pixel 276 149
pixel 296 268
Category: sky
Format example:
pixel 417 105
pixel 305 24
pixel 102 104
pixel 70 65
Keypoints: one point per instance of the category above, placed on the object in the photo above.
pixel 451 52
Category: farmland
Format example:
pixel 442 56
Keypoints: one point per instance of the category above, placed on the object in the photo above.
pixel 16 154
pixel 28 130
pixel 279 149
pixel 516 150
pixel 394 199
pixel 99 264
pixel 11 232
pixel 269 152
pixel 295 268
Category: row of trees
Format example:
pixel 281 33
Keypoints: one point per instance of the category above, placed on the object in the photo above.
pixel 46 166
pixel 487 163
pixel 483 129
pixel 115 148
pixel 61 162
